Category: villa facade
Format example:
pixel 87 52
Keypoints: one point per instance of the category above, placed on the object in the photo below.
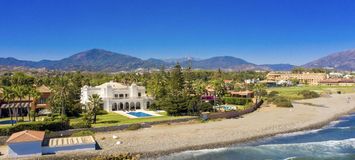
pixel 118 97
pixel 304 78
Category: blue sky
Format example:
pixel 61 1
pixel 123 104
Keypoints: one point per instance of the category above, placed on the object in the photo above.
pixel 259 31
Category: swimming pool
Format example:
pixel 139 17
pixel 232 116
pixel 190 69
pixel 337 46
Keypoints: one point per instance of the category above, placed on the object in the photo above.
pixel 139 114
pixel 7 122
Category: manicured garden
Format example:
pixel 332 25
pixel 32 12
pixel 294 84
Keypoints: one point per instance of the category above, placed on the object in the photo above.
pixel 113 119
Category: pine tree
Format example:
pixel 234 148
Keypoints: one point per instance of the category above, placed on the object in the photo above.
pixel 176 80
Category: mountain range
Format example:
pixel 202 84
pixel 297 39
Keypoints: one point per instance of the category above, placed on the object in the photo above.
pixel 103 60
pixel 344 60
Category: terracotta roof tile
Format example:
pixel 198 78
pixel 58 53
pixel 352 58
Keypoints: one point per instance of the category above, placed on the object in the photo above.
pixel 43 89
pixel 26 136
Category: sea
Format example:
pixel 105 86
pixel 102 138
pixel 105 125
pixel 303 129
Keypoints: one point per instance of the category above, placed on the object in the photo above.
pixel 335 141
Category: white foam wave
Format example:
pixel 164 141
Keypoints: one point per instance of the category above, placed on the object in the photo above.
pixel 332 146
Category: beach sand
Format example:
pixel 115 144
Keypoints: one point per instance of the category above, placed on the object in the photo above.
pixel 267 121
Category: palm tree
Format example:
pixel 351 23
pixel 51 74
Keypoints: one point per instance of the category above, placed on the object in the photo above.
pixel 260 91
pixel 32 92
pixel 94 104
pixel 20 92
pixel 9 95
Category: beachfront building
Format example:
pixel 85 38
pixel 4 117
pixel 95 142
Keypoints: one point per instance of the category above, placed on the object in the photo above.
pixel 118 97
pixel 24 105
pixel 25 143
pixel 242 94
pixel 303 78
pixel 33 143
pixel 338 82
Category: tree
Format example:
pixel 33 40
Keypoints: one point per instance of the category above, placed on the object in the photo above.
pixel 34 94
pixel 189 90
pixel 219 87
pixel 20 92
pixel 199 87
pixel 94 105
pixel 260 91
pixel 8 96
pixel 176 80
pixel 60 94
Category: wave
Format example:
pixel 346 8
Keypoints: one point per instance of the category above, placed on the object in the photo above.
pixel 273 151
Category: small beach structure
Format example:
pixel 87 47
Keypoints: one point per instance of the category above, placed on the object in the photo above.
pixel 56 145
pixel 25 143
pixel 33 143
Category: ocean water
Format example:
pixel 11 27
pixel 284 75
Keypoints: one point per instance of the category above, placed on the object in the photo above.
pixel 335 141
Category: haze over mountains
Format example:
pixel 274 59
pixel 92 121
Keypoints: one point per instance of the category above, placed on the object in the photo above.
pixel 103 60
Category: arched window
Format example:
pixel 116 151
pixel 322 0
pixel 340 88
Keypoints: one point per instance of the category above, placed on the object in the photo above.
pixel 148 105
pixel 114 107
pixel 121 106
pixel 126 106
pixel 131 106
pixel 138 105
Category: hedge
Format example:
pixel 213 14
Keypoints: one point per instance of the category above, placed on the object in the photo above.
pixel 280 101
pixel 307 94
pixel 56 125
pixel 80 125
pixel 236 101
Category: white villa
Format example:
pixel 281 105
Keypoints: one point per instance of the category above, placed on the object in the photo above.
pixel 118 97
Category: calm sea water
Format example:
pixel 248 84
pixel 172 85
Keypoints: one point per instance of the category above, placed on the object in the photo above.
pixel 333 142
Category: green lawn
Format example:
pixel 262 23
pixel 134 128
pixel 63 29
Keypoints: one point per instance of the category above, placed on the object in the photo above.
pixel 292 92
pixel 113 119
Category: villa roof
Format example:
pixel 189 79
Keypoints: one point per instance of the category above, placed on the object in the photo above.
pixel 26 136
pixel 43 89
pixel 113 85
pixel 337 81
pixel 228 81
pixel 241 92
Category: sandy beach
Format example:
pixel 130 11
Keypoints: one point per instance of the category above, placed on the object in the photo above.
pixel 267 121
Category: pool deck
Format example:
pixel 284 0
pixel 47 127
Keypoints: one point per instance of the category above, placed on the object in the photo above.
pixel 154 114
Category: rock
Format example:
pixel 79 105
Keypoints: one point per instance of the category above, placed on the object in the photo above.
pixel 114 137
pixel 118 142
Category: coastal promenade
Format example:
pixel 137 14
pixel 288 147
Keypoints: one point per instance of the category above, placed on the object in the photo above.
pixel 267 121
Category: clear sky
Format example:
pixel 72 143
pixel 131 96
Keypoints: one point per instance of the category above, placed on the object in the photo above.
pixel 259 31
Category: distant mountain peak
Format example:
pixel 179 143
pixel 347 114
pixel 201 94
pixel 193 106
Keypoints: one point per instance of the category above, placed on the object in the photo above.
pixel 344 60
pixel 103 60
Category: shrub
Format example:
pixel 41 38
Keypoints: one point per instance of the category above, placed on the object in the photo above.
pixel 4 132
pixel 273 94
pixel 134 127
pixel 236 101
pixel 122 156
pixel 74 111
pixel 80 125
pixel 205 107
pixel 39 126
pixel 280 101
pixel 308 94
pixel 83 133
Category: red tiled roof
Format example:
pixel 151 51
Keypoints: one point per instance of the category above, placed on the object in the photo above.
pixel 43 89
pixel 227 81
pixel 337 81
pixel 241 92
pixel 26 136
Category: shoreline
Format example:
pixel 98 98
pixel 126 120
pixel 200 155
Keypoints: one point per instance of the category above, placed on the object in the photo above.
pixel 266 122
pixel 149 155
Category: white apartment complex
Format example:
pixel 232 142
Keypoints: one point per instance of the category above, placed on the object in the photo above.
pixel 118 97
